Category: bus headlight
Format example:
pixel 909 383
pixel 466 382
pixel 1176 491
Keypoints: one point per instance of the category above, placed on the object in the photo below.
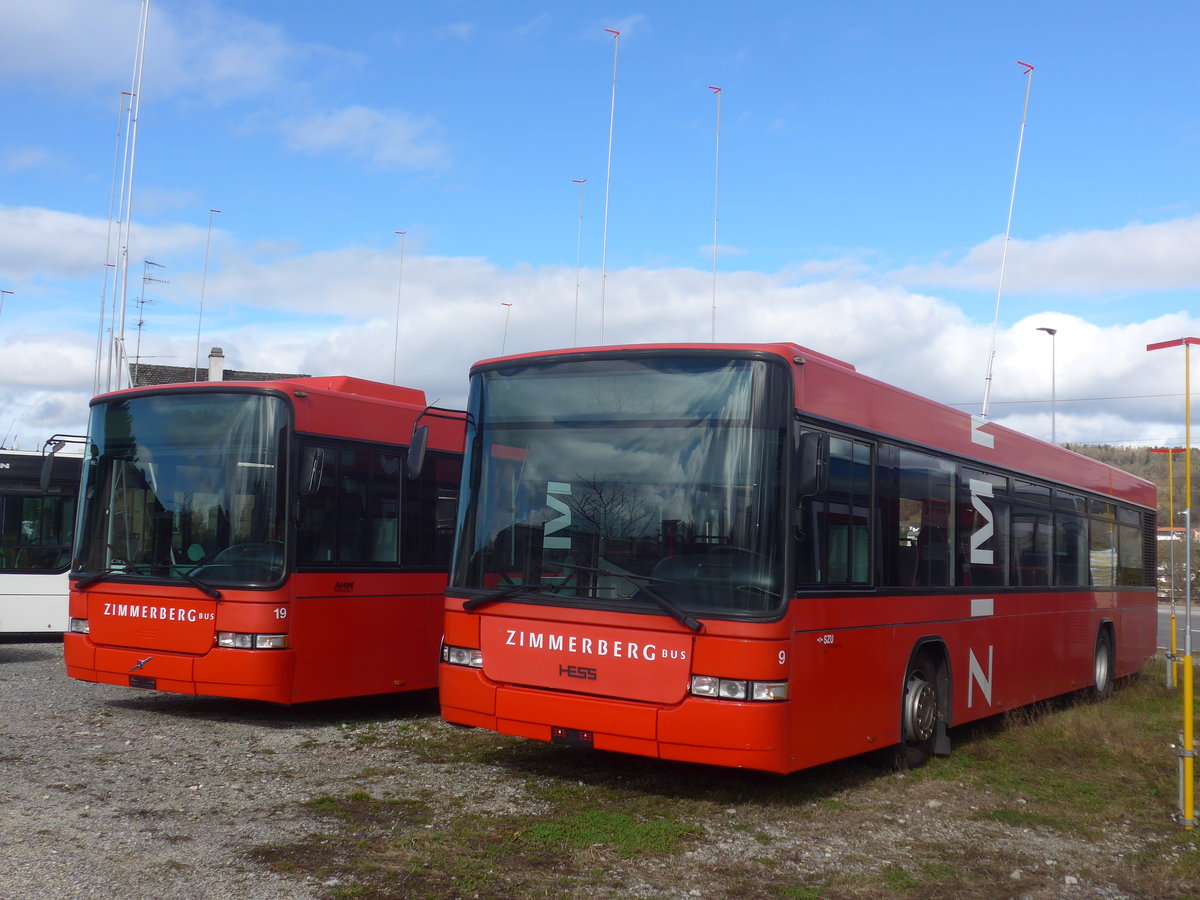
pixel 238 641
pixel 78 626
pixel 734 689
pixel 462 656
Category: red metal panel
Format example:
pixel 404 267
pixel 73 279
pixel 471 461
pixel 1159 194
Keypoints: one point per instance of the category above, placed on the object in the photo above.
pixel 635 663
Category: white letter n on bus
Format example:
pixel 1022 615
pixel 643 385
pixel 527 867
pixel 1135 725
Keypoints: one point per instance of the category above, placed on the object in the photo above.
pixel 975 675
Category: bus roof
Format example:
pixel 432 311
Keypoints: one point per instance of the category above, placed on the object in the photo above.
pixel 830 389
pixel 332 405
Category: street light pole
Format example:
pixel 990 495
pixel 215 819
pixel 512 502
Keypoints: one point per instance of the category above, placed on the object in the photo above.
pixel 1053 377
pixel 1187 750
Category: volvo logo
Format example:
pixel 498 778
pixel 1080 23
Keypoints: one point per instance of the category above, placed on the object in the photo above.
pixel 140 663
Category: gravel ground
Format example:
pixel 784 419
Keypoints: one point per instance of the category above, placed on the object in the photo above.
pixel 110 792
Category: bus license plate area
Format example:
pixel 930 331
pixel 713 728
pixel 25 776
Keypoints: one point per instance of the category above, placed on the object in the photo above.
pixel 144 682
pixel 572 737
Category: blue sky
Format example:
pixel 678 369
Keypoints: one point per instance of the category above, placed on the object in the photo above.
pixel 866 159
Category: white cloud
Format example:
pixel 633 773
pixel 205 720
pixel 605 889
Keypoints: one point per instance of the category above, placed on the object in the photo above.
pixel 1137 257
pixel 47 245
pixel 24 159
pixel 334 312
pixel 387 139
pixel 194 48
pixel 459 31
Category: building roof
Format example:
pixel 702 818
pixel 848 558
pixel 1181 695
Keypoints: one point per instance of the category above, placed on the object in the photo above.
pixel 145 374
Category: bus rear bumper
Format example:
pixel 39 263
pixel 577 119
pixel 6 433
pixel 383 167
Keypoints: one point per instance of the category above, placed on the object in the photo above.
pixel 714 732
pixel 242 674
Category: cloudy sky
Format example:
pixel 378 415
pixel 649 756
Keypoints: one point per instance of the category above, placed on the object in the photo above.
pixel 861 181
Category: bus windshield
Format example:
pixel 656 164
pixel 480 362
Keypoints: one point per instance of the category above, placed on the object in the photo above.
pixel 655 481
pixel 186 487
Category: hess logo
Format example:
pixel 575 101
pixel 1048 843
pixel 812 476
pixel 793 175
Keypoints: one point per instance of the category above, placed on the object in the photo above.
pixel 584 672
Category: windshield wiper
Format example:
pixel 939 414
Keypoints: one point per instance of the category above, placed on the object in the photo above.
pixel 196 582
pixel 497 596
pixel 642 583
pixel 191 579
pixel 96 579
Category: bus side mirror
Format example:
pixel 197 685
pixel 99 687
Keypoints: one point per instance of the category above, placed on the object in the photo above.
pixel 416 451
pixel 809 468
pixel 48 467
pixel 312 466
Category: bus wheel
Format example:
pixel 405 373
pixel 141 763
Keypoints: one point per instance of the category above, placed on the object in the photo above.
pixel 919 713
pixel 1102 668
pixel 923 731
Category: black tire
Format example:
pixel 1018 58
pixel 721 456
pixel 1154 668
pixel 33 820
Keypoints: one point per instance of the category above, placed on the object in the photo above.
pixel 919 714
pixel 1103 664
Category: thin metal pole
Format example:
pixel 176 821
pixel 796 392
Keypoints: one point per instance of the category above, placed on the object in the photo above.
pixel 1053 377
pixel 203 285
pixel 399 287
pixel 2 296
pixel 716 184
pixel 112 200
pixel 1173 651
pixel 127 114
pixel 135 109
pixel 507 312
pixel 987 387
pixel 612 114
pixel 1172 665
pixel 578 251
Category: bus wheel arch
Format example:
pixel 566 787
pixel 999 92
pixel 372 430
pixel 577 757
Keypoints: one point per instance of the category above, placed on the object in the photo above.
pixel 924 709
pixel 1104 662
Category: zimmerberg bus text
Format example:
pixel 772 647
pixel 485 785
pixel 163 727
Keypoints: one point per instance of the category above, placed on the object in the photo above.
pixel 539 640
pixel 165 613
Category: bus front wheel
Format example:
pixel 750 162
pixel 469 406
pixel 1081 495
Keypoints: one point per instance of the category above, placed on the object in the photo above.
pixel 919 718
pixel 919 712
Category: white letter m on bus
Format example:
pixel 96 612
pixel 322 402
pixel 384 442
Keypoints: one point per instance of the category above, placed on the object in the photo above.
pixel 563 520
pixel 979 490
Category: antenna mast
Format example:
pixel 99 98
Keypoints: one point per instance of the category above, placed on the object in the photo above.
pixel 987 386
pixel 578 250
pixel 608 181
pixel 716 182
pixel 118 342
pixel 203 285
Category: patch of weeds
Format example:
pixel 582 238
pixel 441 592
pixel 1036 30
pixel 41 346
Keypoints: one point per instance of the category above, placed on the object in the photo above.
pixel 1027 818
pixel 898 879
pixel 798 892
pixel 620 832
pixel 359 810
pixel 938 871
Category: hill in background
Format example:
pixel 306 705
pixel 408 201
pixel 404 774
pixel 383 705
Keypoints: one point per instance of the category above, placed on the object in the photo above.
pixel 1152 466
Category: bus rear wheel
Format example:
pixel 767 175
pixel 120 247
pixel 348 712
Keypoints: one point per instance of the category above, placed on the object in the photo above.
pixel 1102 667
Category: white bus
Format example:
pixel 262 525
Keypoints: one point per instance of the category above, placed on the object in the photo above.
pixel 37 523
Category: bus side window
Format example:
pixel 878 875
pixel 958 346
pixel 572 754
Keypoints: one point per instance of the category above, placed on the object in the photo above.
pixel 918 547
pixel 429 508
pixel 981 528
pixel 317 515
pixel 833 534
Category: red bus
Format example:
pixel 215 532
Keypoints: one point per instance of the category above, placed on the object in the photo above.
pixel 753 556
pixel 259 540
